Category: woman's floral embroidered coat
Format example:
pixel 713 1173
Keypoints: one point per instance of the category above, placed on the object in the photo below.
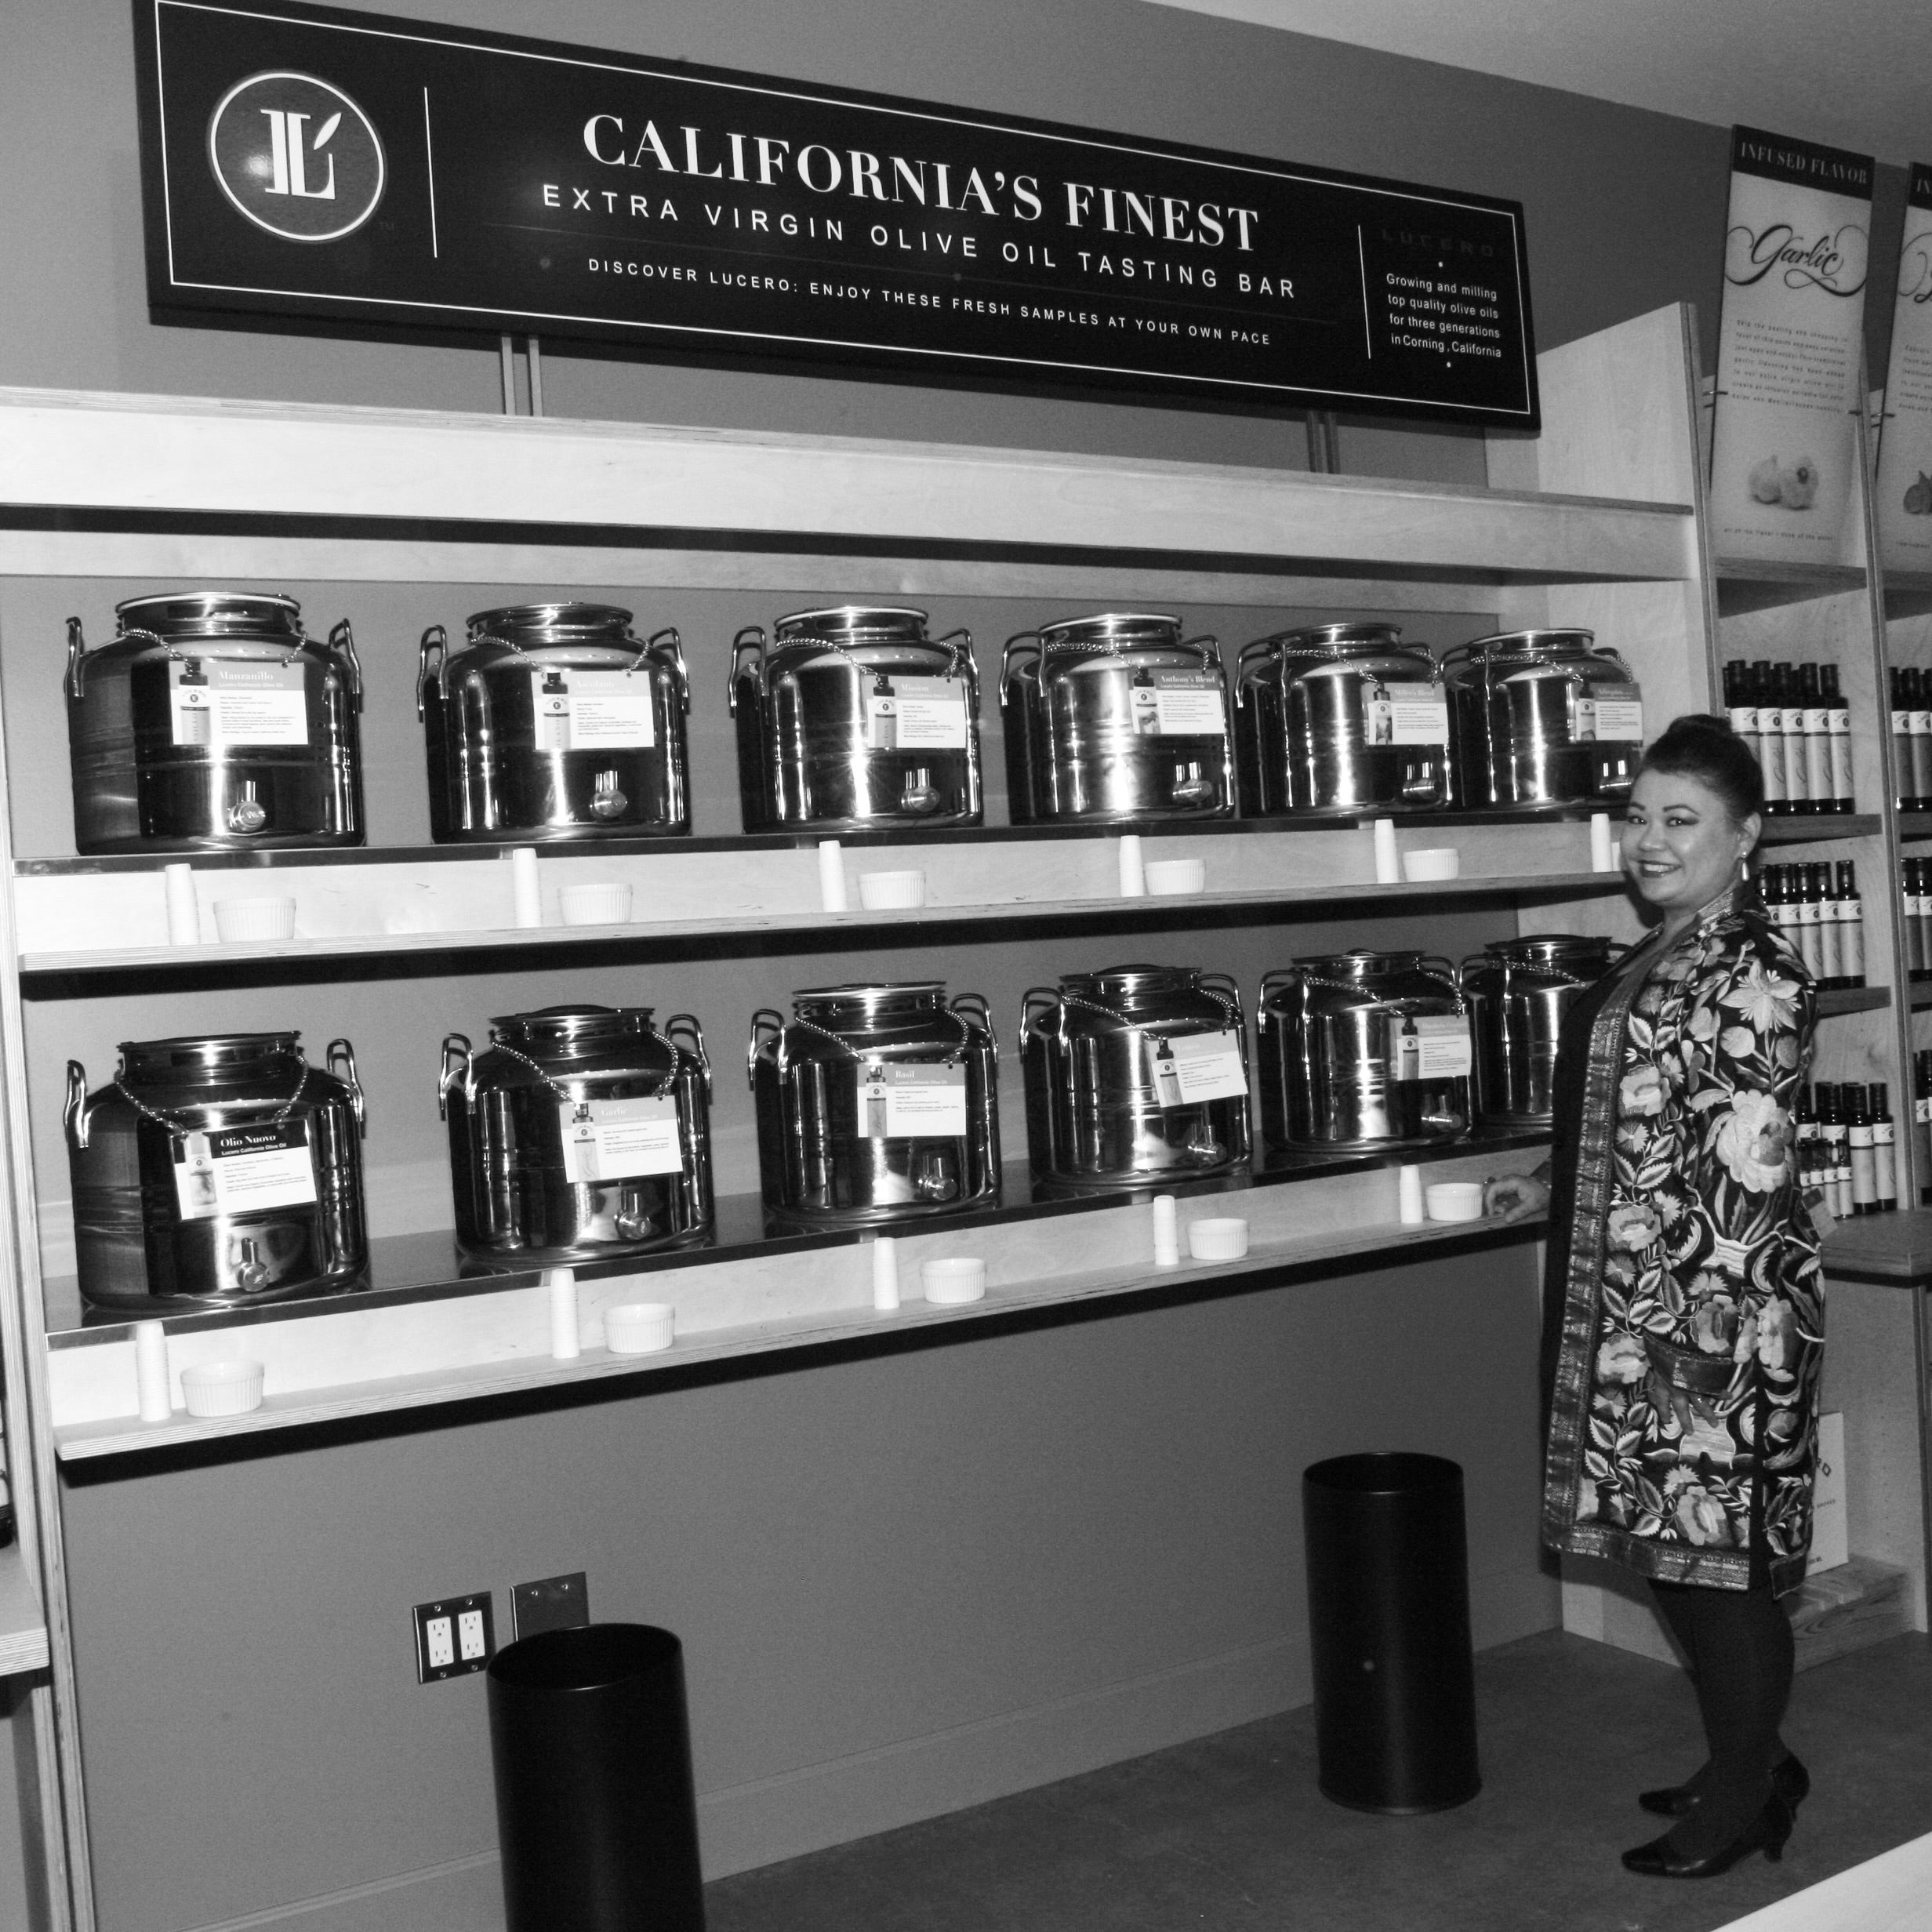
pixel 1683 1426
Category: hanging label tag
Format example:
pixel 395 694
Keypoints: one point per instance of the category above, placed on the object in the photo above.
pixel 1186 704
pixel 1397 717
pixel 1192 1068
pixel 617 1140
pixel 920 714
pixel 913 1102
pixel 1439 1048
pixel 1619 713
pixel 592 711
pixel 219 703
pixel 242 1170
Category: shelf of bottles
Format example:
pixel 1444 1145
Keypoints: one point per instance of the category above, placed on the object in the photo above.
pixel 1796 719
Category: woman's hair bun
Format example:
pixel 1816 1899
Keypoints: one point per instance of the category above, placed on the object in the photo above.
pixel 1703 747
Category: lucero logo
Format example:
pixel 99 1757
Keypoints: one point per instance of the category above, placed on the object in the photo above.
pixel 296 156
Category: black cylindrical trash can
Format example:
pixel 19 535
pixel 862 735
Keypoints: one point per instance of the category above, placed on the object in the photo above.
pixel 595 1806
pixel 1389 1625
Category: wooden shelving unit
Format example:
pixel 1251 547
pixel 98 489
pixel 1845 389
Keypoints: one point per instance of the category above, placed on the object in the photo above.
pixel 1597 522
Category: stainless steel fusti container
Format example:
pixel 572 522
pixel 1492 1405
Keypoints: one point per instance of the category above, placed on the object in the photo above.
pixel 876 1104
pixel 1117 718
pixel 553 722
pixel 1134 1073
pixel 1339 718
pixel 221 1169
pixel 1518 992
pixel 213 724
pixel 580 1133
pixel 1364 1049
pixel 852 718
pixel 1541 717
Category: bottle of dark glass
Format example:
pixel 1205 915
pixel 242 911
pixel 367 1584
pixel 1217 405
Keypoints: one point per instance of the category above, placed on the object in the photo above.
pixel 1884 1146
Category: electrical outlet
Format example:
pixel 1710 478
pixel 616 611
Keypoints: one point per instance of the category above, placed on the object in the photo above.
pixel 551 1604
pixel 453 1637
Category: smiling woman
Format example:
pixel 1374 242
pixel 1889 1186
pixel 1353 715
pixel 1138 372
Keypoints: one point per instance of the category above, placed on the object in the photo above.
pixel 1683 1315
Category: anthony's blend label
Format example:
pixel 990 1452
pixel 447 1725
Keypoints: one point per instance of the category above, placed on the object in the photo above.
pixel 592 711
pixel 1194 1067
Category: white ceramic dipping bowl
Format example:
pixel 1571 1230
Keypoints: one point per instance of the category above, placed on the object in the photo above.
pixel 255 918
pixel 1225 1239
pixel 1434 862
pixel 1172 878
pixel 954 1279
pixel 606 903
pixel 880 891
pixel 1454 1201
pixel 222 1388
pixel 638 1327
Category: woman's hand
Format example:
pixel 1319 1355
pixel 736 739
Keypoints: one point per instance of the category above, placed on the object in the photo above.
pixel 1515 1197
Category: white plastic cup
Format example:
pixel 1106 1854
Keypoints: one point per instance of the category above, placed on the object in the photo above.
pixel 562 1283
pixel 1133 878
pixel 1409 1197
pixel 1602 850
pixel 601 903
pixel 254 919
pixel 222 1388
pixel 954 1280
pixel 885 1274
pixel 526 889
pixel 1167 1232
pixel 1173 878
pixel 639 1327
pixel 882 891
pixel 1388 864
pixel 1454 1200
pixel 1432 862
pixel 150 1371
pixel 184 911
pixel 1223 1239
pixel 831 876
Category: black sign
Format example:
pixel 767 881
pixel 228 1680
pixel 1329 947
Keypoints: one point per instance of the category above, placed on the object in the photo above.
pixel 306 162
pixel 1803 164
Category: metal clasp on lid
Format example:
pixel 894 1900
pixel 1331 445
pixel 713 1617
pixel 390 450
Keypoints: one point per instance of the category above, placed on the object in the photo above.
pixel 342 642
pixel 77 653
pixel 684 1033
pixel 74 1117
pixel 339 1059
pixel 456 1062
pixel 738 648
pixel 764 1021
pixel 435 642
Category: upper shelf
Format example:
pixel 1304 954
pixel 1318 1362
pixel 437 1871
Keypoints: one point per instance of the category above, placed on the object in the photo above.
pixel 94 481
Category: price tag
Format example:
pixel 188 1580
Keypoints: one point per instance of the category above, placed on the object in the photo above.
pixel 913 1102
pixel 223 703
pixel 1191 1068
pixel 1431 1046
pixel 1394 717
pixel 617 1140
pixel 594 710
pixel 1186 704
pixel 242 1170
pixel 918 714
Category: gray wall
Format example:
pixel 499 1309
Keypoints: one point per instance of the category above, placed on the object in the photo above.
pixel 907 1583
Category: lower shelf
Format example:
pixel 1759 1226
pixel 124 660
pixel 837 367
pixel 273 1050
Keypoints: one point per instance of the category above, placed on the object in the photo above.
pixel 347 1361
pixel 1835 1611
pixel 22 1625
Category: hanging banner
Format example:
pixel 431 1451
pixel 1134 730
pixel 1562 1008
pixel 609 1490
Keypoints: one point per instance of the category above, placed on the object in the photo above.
pixel 308 163
pixel 1783 441
pixel 1903 492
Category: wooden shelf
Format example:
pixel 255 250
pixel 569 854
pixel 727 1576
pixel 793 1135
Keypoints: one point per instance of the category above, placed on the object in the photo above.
pixel 1818 829
pixel 22 1626
pixel 1853 1000
pixel 1268 1263
pixel 373 493
pixel 1834 1612
pixel 1896 1247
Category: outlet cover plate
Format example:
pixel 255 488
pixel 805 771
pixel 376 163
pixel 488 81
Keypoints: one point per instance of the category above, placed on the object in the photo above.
pixel 438 1646
pixel 551 1604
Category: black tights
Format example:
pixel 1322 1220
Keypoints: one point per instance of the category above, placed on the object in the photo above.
pixel 1740 1647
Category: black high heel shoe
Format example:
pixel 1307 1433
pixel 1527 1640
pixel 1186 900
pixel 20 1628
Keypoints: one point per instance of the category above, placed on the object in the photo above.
pixel 1789 1779
pixel 1767 1832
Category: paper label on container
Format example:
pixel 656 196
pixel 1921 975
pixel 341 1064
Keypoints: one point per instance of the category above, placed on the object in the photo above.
pixel 1194 1067
pixel 1393 717
pixel 221 703
pixel 918 714
pixel 913 1102
pixel 592 711
pixel 1437 1048
pixel 1784 434
pixel 616 1140
pixel 1180 704
pixel 241 1170
pixel 1619 719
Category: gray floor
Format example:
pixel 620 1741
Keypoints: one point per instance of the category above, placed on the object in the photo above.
pixel 1229 1832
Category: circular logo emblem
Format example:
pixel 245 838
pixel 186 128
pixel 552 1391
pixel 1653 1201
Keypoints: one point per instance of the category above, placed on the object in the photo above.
pixel 296 156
